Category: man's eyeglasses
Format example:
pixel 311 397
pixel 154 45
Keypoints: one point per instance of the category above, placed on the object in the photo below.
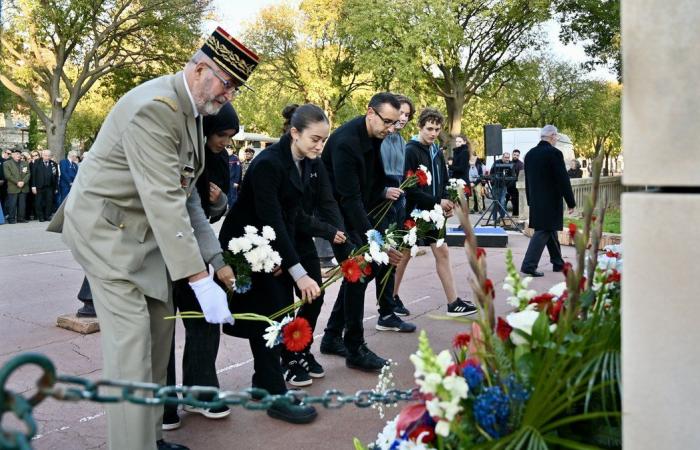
pixel 228 84
pixel 387 122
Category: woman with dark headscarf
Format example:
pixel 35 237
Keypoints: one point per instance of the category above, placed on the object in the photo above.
pixel 201 337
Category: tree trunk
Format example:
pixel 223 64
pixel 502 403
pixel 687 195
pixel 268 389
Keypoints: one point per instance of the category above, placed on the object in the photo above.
pixel 56 132
pixel 455 106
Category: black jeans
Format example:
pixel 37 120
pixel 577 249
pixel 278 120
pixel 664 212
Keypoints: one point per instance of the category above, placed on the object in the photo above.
pixel 267 372
pixel 538 241
pixel 15 206
pixel 514 198
pixel 201 345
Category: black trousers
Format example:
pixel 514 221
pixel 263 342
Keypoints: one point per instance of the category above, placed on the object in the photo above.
pixel 43 203
pixel 201 345
pixel 514 198
pixel 538 241
pixel 267 372
pixel 15 206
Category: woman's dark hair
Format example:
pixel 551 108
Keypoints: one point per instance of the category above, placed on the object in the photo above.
pixel 403 99
pixel 287 113
pixel 300 117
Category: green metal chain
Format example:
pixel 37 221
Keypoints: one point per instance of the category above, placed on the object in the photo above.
pixel 73 388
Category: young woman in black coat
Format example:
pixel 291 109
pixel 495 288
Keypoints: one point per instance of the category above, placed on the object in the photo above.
pixel 271 194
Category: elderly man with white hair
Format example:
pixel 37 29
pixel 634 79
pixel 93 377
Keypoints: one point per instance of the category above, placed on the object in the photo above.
pixel 546 183
pixel 69 169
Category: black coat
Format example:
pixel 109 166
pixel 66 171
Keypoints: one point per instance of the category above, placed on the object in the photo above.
pixel 320 215
pixel 460 163
pixel 43 176
pixel 271 194
pixel 546 183
pixel 354 164
pixel 425 197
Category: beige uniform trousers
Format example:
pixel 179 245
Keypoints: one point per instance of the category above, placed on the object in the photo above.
pixel 136 343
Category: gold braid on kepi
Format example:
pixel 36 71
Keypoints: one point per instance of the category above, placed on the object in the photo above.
pixel 230 55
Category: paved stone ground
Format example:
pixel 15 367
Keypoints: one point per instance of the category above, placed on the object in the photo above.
pixel 40 281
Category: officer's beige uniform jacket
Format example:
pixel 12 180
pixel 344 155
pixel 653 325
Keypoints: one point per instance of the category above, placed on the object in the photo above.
pixel 126 217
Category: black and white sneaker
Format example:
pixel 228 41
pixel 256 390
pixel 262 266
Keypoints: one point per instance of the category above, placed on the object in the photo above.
pixel 312 366
pixel 296 374
pixel 171 421
pixel 392 322
pixel 399 308
pixel 460 307
pixel 209 413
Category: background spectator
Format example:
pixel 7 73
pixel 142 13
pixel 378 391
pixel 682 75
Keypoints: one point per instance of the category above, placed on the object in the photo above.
pixel 69 169
pixel 575 169
pixel 44 185
pixel 17 177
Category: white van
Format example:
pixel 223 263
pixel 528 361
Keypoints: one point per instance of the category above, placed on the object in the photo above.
pixel 524 139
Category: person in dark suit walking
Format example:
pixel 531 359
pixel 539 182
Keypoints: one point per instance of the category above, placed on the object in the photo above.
pixel 546 183
pixel 271 195
pixel 44 185
pixel 354 162
pixel 69 170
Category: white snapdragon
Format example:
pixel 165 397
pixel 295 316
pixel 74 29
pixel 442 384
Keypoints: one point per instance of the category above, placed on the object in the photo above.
pixel 387 436
pixel 523 321
pixel 558 289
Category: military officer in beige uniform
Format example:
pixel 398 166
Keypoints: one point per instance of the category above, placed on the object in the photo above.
pixel 127 223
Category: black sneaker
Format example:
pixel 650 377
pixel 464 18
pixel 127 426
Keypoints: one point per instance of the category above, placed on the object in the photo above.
pixel 162 445
pixel 210 413
pixel 298 413
pixel 365 359
pixel 171 421
pixel 296 374
pixel 400 309
pixel 394 323
pixel 460 307
pixel 312 366
pixel 333 345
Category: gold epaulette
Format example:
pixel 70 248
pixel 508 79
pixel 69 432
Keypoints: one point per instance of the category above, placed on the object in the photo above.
pixel 168 101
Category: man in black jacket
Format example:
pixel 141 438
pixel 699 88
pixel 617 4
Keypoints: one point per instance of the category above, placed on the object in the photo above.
pixel 425 152
pixel 352 157
pixel 44 185
pixel 546 183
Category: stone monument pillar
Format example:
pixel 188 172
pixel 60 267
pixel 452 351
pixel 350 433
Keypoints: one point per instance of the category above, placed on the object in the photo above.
pixel 660 294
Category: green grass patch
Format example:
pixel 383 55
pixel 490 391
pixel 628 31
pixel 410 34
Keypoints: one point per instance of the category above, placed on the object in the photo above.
pixel 611 224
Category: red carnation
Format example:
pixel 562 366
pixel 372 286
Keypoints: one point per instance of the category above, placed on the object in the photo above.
pixel 461 340
pixel 542 299
pixel 612 254
pixel 455 369
pixel 409 223
pixel 572 230
pixel 467 191
pixel 422 177
pixel 351 270
pixel 297 334
pixel 582 284
pixel 480 252
pixel 488 288
pixel 555 309
pixel 614 277
pixel 503 330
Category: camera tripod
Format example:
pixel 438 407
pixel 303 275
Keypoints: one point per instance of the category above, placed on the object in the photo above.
pixel 495 209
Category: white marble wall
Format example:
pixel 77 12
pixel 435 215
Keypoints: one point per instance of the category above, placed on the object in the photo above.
pixel 660 293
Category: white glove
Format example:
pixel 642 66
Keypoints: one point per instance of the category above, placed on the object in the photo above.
pixel 213 301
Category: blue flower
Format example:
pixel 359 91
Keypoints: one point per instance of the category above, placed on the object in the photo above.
pixel 516 391
pixel 474 376
pixel 491 411
pixel 375 236
pixel 242 288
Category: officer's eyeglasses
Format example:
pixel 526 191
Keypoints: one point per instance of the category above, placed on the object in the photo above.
pixel 228 84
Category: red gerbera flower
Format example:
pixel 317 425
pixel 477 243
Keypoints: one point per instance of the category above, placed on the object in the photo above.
pixel 503 330
pixel 480 252
pixel 410 173
pixel 422 177
pixel 572 230
pixel 351 270
pixel 461 340
pixel 297 334
pixel 366 268
pixel 409 223
pixel 614 277
pixel 467 191
pixel 488 288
